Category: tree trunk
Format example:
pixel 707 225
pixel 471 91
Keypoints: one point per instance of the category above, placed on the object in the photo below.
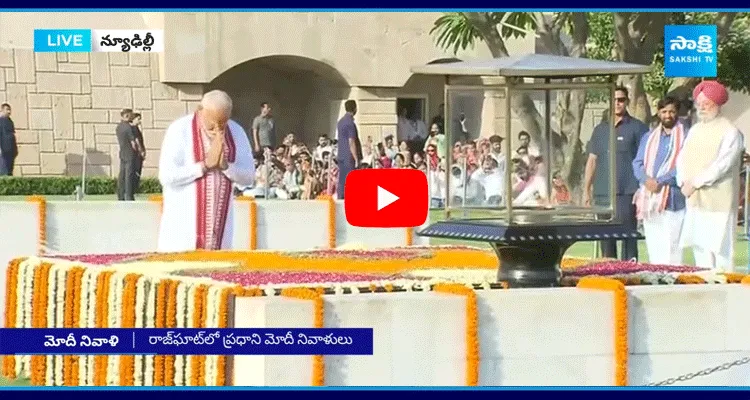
pixel 637 36
pixel 523 106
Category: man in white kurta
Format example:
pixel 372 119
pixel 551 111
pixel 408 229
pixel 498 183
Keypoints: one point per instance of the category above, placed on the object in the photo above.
pixel 659 202
pixel 202 156
pixel 708 170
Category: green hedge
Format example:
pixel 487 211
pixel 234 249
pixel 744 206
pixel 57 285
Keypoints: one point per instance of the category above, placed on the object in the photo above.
pixel 66 185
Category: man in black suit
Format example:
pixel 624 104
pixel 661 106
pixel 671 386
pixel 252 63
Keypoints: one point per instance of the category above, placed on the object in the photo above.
pixel 8 146
pixel 128 154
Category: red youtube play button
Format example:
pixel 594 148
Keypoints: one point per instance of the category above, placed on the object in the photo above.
pixel 386 198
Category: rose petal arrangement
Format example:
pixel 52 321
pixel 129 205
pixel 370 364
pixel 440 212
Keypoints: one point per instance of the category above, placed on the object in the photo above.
pixel 194 290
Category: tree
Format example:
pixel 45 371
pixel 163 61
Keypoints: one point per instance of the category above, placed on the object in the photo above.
pixel 639 38
pixel 625 36
pixel 459 31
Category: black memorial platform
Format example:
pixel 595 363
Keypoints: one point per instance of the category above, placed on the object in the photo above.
pixel 529 254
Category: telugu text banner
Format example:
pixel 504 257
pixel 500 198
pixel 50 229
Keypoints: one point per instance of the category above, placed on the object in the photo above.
pixel 118 341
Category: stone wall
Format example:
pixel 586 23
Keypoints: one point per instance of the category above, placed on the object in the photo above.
pixel 65 104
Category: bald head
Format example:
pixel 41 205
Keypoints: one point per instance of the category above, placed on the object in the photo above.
pixel 215 110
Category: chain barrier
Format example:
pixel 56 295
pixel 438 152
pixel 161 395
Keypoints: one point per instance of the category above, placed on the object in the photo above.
pixel 705 372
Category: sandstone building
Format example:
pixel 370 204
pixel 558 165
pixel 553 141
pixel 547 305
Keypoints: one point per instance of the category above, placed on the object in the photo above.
pixel 305 64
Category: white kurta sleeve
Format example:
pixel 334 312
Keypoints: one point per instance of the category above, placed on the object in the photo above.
pixel 242 170
pixel 175 169
pixel 730 151
pixel 680 162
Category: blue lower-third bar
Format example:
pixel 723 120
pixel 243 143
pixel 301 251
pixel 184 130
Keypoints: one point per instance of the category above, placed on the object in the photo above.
pixel 205 341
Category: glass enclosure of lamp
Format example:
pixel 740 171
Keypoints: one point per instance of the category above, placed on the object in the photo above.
pixel 517 153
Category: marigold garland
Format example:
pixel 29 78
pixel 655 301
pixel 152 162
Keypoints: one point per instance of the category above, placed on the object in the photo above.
pixel 203 317
pixel 745 281
pixel 159 322
pixel 102 321
pixel 36 289
pixel 621 321
pixel 331 219
pixel 319 371
pixel 409 236
pixel 221 363
pixel 71 320
pixel 157 198
pixel 42 221
pixel 253 214
pixel 170 322
pixel 733 277
pixel 39 319
pixel 472 328
pixel 199 319
pixel 68 323
pixel 276 261
pixel 127 362
pixel 686 279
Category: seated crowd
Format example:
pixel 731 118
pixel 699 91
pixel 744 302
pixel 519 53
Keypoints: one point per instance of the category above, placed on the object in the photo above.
pixel 294 171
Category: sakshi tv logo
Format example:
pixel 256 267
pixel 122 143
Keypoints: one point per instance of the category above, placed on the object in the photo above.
pixel 690 51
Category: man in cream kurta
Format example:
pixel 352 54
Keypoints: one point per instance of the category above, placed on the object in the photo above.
pixel 708 173
pixel 202 156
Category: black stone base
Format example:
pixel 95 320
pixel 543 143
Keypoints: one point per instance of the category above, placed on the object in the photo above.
pixel 531 264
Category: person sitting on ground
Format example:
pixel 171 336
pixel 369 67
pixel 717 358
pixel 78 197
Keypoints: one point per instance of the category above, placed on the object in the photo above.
pixel 419 162
pixel 403 149
pixel 532 188
pixel 383 159
pixel 560 192
pixel 437 139
pixel 399 161
pixel 312 186
pixel 324 145
pixel 390 147
pixel 290 183
pixel 491 180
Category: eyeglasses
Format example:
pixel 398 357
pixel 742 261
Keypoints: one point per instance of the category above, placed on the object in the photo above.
pixel 621 99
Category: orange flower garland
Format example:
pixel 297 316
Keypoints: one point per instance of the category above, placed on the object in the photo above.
pixel 472 328
pixel 745 281
pixel 253 214
pixel 102 321
pixel 690 280
pixel 127 362
pixel 409 236
pixel 68 322
pixel 331 219
pixel 733 277
pixel 203 316
pixel 39 319
pixel 319 371
pixel 621 321
pixel 159 322
pixel 279 261
pixel 11 304
pixel 157 198
pixel 199 321
pixel 170 322
pixel 42 221
pixel 221 361
pixel 36 289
